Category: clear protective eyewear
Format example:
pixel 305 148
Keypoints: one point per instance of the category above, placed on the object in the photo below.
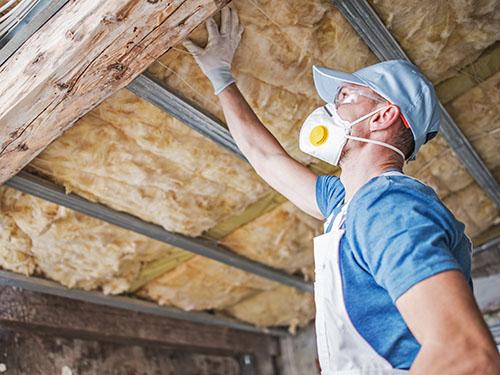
pixel 352 96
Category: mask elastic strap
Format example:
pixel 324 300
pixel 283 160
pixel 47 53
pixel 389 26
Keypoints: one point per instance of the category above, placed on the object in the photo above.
pixel 383 144
pixel 362 118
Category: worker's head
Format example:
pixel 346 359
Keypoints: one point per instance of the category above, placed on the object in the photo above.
pixel 390 104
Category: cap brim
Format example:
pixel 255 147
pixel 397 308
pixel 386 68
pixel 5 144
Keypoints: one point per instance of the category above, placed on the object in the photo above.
pixel 328 81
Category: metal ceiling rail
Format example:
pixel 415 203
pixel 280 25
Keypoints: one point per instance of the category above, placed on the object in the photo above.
pixel 47 190
pixel 487 246
pixel 372 30
pixel 39 285
pixel 150 89
pixel 30 23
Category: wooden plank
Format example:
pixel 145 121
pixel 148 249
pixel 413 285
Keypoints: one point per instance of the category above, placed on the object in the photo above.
pixel 85 53
pixel 36 284
pixel 23 352
pixel 22 308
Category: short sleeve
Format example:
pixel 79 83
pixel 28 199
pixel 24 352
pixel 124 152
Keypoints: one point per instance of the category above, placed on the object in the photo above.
pixel 400 235
pixel 329 193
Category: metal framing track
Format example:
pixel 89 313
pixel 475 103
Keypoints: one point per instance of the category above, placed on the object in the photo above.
pixel 32 22
pixel 372 30
pixel 157 94
pixel 47 190
pixel 489 245
pixel 39 285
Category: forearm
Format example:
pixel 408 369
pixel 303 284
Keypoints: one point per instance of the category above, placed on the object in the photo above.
pixel 458 359
pixel 251 136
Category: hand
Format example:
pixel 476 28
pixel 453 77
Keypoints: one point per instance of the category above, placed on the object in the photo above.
pixel 216 58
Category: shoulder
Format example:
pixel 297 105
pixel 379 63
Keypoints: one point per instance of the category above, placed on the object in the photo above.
pixel 401 203
pixel 381 191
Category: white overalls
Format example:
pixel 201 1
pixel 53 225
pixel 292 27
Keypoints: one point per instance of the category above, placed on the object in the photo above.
pixel 341 349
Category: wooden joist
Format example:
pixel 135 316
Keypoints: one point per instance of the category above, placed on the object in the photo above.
pixel 86 52
pixel 55 316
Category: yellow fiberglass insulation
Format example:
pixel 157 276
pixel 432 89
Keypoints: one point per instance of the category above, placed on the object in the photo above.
pixel 281 238
pixel 131 156
pixel 441 37
pixel 71 248
pixel 282 306
pixel 478 113
pixel 201 283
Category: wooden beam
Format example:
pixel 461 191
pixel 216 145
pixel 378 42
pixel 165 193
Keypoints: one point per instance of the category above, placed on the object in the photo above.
pixel 73 318
pixel 36 284
pixel 83 54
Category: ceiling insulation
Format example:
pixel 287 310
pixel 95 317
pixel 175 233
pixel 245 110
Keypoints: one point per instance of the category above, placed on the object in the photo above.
pixel 441 37
pixel 201 284
pixel 479 109
pixel 71 248
pixel 132 157
pixel 129 155
pixel 283 306
pixel 280 238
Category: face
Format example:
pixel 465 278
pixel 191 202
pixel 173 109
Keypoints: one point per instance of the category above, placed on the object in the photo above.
pixel 350 107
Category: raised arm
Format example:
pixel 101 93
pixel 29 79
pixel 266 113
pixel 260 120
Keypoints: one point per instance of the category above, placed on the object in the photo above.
pixel 260 147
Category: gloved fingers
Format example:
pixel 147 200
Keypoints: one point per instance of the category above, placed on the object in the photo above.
pixel 191 47
pixel 235 22
pixel 213 30
pixel 225 20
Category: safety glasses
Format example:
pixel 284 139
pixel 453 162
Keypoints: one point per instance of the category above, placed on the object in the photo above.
pixel 351 95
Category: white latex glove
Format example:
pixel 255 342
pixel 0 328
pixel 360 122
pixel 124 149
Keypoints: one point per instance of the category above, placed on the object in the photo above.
pixel 216 58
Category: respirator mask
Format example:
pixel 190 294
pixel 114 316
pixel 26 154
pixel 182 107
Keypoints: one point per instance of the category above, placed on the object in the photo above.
pixel 324 133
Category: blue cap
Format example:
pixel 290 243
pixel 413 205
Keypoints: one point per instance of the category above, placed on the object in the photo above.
pixel 398 81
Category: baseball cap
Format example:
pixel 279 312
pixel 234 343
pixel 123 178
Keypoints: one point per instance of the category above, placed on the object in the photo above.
pixel 398 81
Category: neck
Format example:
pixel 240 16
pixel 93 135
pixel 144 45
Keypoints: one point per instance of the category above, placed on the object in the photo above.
pixel 358 170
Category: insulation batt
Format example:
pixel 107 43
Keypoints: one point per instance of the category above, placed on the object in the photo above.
pixel 282 306
pixel 441 36
pixel 281 238
pixel 71 248
pixel 132 157
pixel 201 283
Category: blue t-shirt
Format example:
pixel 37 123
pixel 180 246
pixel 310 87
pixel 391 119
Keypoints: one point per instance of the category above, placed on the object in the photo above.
pixel 398 233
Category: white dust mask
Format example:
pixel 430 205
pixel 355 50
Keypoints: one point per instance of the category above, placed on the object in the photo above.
pixel 324 134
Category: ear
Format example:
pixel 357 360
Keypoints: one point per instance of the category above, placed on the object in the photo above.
pixel 385 118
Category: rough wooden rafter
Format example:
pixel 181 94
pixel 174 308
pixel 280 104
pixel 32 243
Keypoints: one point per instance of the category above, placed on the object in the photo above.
pixel 85 53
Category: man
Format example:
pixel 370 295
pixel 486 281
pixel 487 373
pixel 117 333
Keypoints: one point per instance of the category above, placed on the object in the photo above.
pixel 393 280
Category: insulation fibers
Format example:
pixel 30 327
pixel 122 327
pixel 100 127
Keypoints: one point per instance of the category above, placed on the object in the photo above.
pixel 441 36
pixel 281 238
pixel 478 113
pixel 130 156
pixel 71 248
pixel 15 247
pixel 282 306
pixel 201 283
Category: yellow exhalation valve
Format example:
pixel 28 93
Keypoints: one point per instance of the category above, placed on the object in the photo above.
pixel 318 135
